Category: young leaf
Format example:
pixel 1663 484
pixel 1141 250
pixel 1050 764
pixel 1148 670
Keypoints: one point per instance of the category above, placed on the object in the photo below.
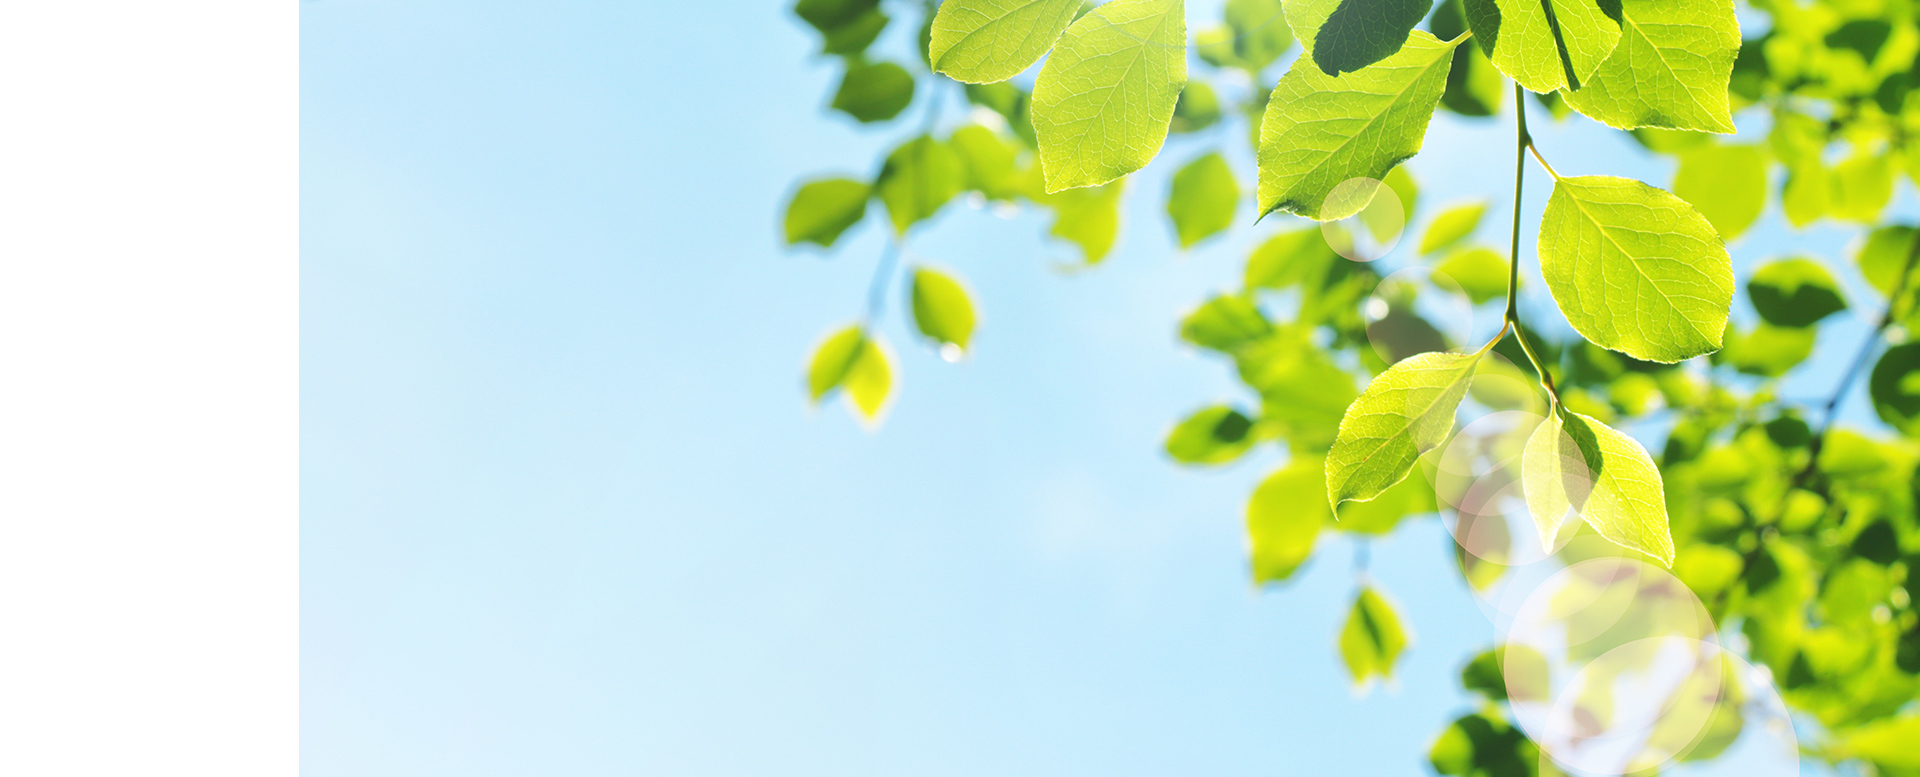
pixel 1670 69
pixel 831 361
pixel 1203 199
pixel 982 41
pixel 1406 411
pixel 1373 638
pixel 1727 184
pixel 1341 36
pixel 1260 32
pixel 1795 292
pixel 1635 269
pixel 1574 465
pixel 1452 226
pixel 1224 324
pixel 1284 518
pixel 989 160
pixel 1474 87
pixel 1895 388
pixel 1089 218
pixel 1300 257
pixel 1480 271
pixel 1213 435
pixel 823 209
pixel 1103 100
pixel 1320 130
pixel 857 363
pixel 918 178
pixel 873 91
pixel 1543 43
pixel 941 308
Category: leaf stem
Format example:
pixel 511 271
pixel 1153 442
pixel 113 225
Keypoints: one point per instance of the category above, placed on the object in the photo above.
pixel 882 272
pixel 1523 143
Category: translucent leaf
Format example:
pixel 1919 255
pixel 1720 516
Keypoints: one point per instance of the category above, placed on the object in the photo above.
pixel 1474 87
pixel 1895 388
pixel 982 41
pixel 1225 323
pixel 1373 638
pixel 1884 255
pixel 852 361
pixel 1794 292
pixel 1384 513
pixel 1768 351
pixel 1289 259
pixel 1727 184
pixel 1197 109
pixel 1089 218
pixel 990 162
pixel 1302 393
pixel 1451 226
pixel 1320 130
pixel 1406 411
pixel 918 178
pixel 1212 435
pixel 1670 69
pixel 1341 36
pixel 942 308
pixel 1480 271
pixel 1260 32
pixel 1284 519
pixel 823 209
pixel 1543 43
pixel 1203 199
pixel 1635 269
pixel 873 91
pixel 1862 186
pixel 1574 465
pixel 1104 98
pixel 1888 741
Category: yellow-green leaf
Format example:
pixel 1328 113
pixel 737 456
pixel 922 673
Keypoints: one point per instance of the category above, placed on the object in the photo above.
pixel 1795 292
pixel 982 41
pixel 942 308
pixel 1451 226
pixel 1212 435
pixel 1727 184
pixel 1480 271
pixel 1406 411
pixel 1203 199
pixel 1635 269
pixel 1576 466
pixel 823 209
pixel 1373 639
pixel 1103 100
pixel 1670 69
pixel 873 91
pixel 918 178
pixel 1541 43
pixel 1284 518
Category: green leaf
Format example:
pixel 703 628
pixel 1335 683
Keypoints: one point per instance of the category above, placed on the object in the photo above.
pixel 1089 218
pixel 1212 435
pixel 1284 519
pixel 823 209
pixel 1302 393
pixel 1895 388
pixel 989 160
pixel 918 178
pixel 1225 323
pixel 874 91
pixel 1888 742
pixel 1884 255
pixel 1381 515
pixel 1727 184
pixel 941 308
pixel 1341 36
pixel 1406 411
pixel 1635 269
pixel 1480 746
pixel 1259 30
pixel 1103 100
pixel 1481 272
pixel 1321 130
pixel 1862 185
pixel 1794 292
pixel 982 41
pixel 1574 465
pixel 1203 199
pixel 1373 638
pixel 1670 69
pixel 854 36
pixel 1300 257
pixel 829 15
pixel 1486 674
pixel 1543 43
pixel 1474 87
pixel 852 361
pixel 1451 226
pixel 1197 109
pixel 1768 351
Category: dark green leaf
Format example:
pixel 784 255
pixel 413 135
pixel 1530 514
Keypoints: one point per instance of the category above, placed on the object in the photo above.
pixel 1895 387
pixel 1794 292
pixel 874 91
pixel 1203 199
pixel 1213 435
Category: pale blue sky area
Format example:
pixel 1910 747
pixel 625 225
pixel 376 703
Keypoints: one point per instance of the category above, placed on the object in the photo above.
pixel 566 511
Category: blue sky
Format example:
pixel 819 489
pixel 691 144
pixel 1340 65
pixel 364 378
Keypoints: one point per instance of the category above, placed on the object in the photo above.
pixel 565 510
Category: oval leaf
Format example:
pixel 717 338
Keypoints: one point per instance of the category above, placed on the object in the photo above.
pixel 1895 387
pixel 1103 101
pixel 1213 435
pixel 1341 36
pixel 1727 184
pixel 1406 411
pixel 1576 466
pixel 1795 292
pixel 1545 44
pixel 1670 69
pixel 1284 518
pixel 821 210
pixel 1320 130
pixel 941 308
pixel 1373 638
pixel 1635 269
pixel 1452 226
pixel 1203 199
pixel 873 91
pixel 918 178
pixel 982 41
